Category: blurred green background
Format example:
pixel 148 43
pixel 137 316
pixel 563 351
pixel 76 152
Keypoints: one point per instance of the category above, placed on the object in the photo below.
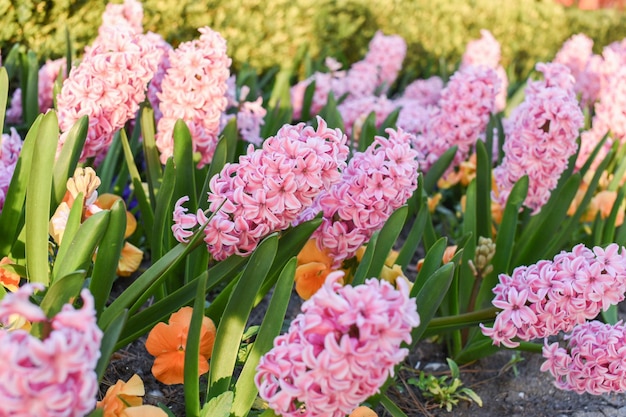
pixel 269 33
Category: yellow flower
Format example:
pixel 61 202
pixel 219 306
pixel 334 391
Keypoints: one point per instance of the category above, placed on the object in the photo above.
pixel 130 259
pixel 124 400
pixel 167 342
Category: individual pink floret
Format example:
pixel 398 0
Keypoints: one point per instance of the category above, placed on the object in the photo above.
pixel 374 184
pixel 194 90
pixel 593 361
pixel 54 376
pixel 540 137
pixel 339 350
pixel 10 149
pixel 545 298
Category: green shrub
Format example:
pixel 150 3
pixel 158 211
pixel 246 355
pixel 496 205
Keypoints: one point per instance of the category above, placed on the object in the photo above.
pixel 268 33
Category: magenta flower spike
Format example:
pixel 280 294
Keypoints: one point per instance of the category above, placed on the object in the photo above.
pixel 54 376
pixel 10 149
pixel 339 350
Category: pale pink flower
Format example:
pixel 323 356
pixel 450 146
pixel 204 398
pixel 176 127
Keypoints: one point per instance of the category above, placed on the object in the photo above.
pixel 154 88
pixel 354 111
pixel 426 92
pixel 486 51
pixel 594 361
pixel 10 149
pixel 552 296
pixel 128 14
pixel 194 89
pixel 387 52
pixel 461 116
pixel 107 86
pixel 374 184
pixel 540 137
pixel 575 55
pixel 183 222
pixel 55 375
pixel 339 350
pixel 269 187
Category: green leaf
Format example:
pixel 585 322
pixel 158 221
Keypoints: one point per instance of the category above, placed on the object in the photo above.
pixel 505 240
pixel 610 315
pixel 68 158
pixel 483 191
pixel 109 339
pixel 163 211
pixel 331 115
pixel 413 239
pixel 430 297
pixel 112 166
pixel 154 172
pixel 366 260
pixel 281 93
pixel 62 291
pixel 183 159
pixel 390 122
pixel 12 214
pixel 38 200
pixel 108 256
pixel 432 262
pixel 219 406
pixel 231 326
pixel 608 235
pixel 74 219
pixel 192 352
pixel 391 407
pixel 309 92
pixel 147 215
pixel 82 246
pixel 30 89
pixel 220 157
pixel 245 389
pixel 368 132
pixel 437 170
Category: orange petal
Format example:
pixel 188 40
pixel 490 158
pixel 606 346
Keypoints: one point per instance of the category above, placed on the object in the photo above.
pixel 58 222
pixel 9 279
pixel 145 411
pixel 165 338
pixel 134 387
pixel 309 278
pixel 363 411
pixel 130 259
pixel 169 368
pixel 311 253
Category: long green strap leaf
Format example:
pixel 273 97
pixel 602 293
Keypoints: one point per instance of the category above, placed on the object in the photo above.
pixel 108 256
pixel 192 352
pixel 386 239
pixel 151 153
pixel 231 326
pixel 109 340
pixel 483 191
pixel 413 239
pixel 4 94
pixel 38 200
pixel 163 211
pixel 83 246
pixel 438 168
pixel 72 225
pixel 68 158
pixel 62 291
pixel 183 159
pixel 30 88
pixel 432 262
pixel 245 389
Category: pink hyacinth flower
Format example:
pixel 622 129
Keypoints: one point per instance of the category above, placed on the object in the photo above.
pixel 339 350
pixel 545 298
pixel 54 376
pixel 10 149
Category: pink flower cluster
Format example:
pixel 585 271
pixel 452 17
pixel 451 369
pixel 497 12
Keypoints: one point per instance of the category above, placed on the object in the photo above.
pixel 194 89
pixel 10 149
pixel 268 188
pixel 249 115
pixel 375 184
pixel 128 14
pixel 339 350
pixel 47 76
pixel 545 298
pixel 540 137
pixel 461 116
pixel 379 69
pixel 594 361
pixel 575 55
pixel 54 376
pixel 486 51
pixel 108 86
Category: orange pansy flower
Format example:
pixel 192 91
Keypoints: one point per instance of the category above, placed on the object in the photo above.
pixel 124 400
pixel 130 259
pixel 313 267
pixel 167 342
pixel 363 411
pixel 9 279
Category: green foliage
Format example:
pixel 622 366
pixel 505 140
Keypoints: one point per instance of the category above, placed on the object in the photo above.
pixel 445 390
pixel 266 34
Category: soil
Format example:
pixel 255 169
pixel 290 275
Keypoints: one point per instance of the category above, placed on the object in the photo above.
pixel 506 389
